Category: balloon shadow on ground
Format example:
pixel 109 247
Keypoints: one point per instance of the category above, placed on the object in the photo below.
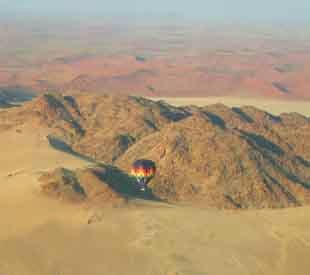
pixel 123 183
pixel 117 179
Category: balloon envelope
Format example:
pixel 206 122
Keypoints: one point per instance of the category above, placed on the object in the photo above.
pixel 143 169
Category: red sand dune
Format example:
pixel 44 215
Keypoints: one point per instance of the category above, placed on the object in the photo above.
pixel 155 61
pixel 235 75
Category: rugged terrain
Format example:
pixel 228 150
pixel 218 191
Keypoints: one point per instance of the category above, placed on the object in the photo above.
pixel 66 210
pixel 215 156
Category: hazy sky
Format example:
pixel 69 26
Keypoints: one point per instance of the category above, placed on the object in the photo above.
pixel 222 10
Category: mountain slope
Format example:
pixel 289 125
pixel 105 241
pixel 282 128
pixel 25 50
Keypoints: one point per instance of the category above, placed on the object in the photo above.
pixel 222 167
pixel 214 155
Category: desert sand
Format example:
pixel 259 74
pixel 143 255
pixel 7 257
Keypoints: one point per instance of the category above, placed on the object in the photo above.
pixel 40 236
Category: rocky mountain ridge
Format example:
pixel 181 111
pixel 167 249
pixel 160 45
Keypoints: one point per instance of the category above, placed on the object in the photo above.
pixel 216 156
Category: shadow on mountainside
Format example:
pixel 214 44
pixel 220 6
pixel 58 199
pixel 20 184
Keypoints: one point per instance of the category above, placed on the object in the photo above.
pixel 16 95
pixel 264 143
pixel 60 145
pixel 242 115
pixel 123 183
pixel 265 147
pixel 216 120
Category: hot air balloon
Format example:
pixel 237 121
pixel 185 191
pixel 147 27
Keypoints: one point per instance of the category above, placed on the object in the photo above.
pixel 143 170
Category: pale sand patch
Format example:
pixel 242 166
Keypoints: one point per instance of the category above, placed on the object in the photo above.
pixel 29 151
pixel 273 106
pixel 23 156
pixel 165 240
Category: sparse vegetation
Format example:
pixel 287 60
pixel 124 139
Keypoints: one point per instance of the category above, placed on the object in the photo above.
pixel 140 58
